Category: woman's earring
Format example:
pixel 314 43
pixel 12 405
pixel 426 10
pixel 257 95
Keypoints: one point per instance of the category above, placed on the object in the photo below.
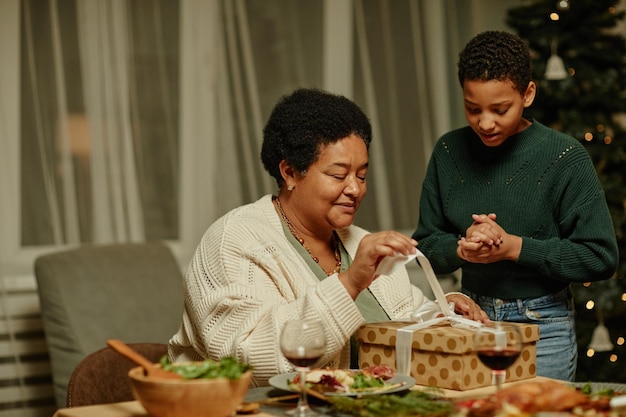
pixel 290 187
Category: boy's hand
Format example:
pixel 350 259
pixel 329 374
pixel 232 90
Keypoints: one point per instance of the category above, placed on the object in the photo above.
pixel 486 241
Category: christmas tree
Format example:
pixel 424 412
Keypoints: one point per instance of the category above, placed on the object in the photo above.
pixel 579 65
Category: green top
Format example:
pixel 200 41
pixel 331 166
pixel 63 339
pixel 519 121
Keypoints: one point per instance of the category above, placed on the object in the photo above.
pixel 366 302
pixel 542 186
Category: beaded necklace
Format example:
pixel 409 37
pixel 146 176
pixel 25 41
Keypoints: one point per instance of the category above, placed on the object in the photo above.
pixel 292 229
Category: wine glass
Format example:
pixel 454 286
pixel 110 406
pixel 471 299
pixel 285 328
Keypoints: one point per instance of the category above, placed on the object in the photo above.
pixel 303 342
pixel 498 346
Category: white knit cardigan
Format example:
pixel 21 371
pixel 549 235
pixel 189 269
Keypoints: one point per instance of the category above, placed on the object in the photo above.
pixel 246 280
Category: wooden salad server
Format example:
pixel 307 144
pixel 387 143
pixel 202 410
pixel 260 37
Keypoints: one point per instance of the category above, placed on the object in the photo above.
pixel 151 369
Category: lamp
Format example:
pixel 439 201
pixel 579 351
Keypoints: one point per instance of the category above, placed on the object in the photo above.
pixel 555 69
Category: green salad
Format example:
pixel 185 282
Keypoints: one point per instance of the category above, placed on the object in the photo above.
pixel 225 368
pixel 410 404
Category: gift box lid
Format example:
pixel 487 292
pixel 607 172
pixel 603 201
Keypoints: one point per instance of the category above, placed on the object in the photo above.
pixel 440 337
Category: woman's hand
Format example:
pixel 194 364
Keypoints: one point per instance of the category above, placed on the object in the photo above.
pixel 467 307
pixel 486 241
pixel 371 251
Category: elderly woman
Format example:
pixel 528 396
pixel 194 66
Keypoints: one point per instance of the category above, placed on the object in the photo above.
pixel 296 254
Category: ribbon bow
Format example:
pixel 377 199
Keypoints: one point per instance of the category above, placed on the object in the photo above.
pixel 428 314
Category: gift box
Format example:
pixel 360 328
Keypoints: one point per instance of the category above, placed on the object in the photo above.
pixel 442 355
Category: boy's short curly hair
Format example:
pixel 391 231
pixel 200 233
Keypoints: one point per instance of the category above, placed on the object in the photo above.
pixel 496 55
pixel 303 121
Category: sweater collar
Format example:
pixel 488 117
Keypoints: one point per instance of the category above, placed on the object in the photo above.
pixel 520 142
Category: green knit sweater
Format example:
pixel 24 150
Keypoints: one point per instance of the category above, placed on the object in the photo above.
pixel 542 186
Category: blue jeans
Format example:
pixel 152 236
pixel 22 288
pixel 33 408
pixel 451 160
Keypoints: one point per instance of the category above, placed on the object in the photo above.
pixel 557 351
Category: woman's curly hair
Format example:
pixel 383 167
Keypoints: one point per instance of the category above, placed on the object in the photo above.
pixel 303 121
pixel 496 55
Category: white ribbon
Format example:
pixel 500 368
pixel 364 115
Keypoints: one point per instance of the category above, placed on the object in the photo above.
pixel 428 314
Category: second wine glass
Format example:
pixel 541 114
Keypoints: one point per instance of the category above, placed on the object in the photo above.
pixel 498 346
pixel 303 342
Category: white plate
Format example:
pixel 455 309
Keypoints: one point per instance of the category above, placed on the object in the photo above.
pixel 281 382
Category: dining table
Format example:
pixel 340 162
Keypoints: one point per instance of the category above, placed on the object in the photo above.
pixel 135 409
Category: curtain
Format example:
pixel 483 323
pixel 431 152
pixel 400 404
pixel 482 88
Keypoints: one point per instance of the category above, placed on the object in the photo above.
pixel 133 120
pixel 99 147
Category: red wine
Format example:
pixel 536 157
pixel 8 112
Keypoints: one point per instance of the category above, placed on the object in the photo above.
pixel 302 361
pixel 498 360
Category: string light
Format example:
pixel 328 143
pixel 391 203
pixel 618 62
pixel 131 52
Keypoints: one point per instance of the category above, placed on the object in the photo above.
pixel 562 5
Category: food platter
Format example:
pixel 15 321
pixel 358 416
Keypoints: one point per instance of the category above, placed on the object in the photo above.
pixel 397 383
pixel 433 402
pixel 548 397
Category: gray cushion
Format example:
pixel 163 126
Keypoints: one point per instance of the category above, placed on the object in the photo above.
pixel 131 292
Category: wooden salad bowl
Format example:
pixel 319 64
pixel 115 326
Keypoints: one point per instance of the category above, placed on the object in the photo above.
pixel 218 397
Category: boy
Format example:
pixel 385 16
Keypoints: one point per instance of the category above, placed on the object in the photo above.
pixel 515 205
